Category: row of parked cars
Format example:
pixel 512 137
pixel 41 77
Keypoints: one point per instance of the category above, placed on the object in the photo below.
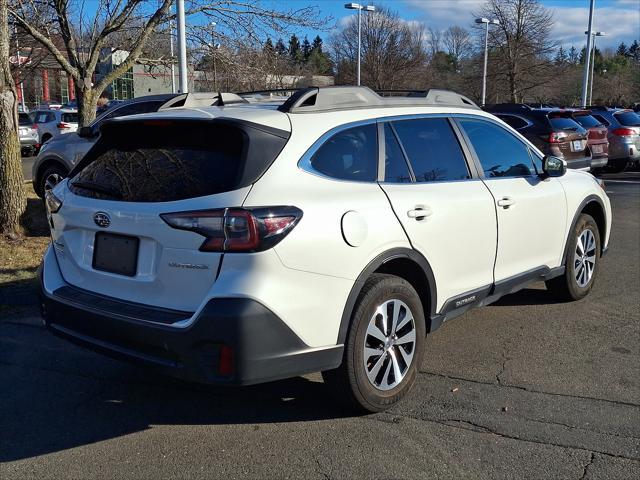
pixel 597 138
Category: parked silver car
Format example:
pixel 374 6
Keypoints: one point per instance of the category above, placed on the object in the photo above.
pixel 53 123
pixel 59 155
pixel 624 135
pixel 28 133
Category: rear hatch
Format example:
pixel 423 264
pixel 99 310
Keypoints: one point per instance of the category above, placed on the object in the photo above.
pixel 597 139
pixel 109 236
pixel 570 136
pixel 630 122
pixel 68 122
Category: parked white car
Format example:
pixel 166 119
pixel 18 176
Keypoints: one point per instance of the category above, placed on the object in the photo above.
pixel 28 133
pixel 52 123
pixel 330 232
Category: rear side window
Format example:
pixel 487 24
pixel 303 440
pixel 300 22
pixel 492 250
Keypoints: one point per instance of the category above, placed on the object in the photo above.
pixel 132 109
pixel 564 123
pixel 433 149
pixel 24 119
pixel 587 121
pixel 41 117
pixel 167 161
pixel 70 117
pixel 628 119
pixel 515 122
pixel 396 169
pixel 500 153
pixel 601 119
pixel 351 154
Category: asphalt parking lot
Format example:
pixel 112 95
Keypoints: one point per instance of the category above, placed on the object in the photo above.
pixel 525 388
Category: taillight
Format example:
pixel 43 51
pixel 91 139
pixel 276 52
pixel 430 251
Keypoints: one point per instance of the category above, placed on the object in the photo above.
pixel 557 137
pixel 237 229
pixel 63 125
pixel 623 132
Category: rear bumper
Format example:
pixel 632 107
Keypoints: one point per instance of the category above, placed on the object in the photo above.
pixel 582 163
pixel 599 162
pixel 263 348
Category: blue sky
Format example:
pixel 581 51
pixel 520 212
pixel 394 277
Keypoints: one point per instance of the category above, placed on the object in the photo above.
pixel 619 19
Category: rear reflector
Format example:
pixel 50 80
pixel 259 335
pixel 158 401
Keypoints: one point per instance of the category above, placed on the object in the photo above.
pixel 237 229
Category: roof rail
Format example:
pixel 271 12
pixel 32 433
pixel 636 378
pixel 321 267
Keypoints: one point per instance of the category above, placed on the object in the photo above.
pixel 270 91
pixel 323 99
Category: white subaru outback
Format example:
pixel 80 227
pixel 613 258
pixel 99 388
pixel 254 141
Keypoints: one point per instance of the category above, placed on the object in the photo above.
pixel 332 231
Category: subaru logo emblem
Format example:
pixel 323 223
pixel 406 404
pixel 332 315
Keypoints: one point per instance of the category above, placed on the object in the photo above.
pixel 102 219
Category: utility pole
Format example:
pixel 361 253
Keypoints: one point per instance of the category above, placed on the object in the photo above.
pixel 173 67
pixel 182 48
pixel 15 31
pixel 587 57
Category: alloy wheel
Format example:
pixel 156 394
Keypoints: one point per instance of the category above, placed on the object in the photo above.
pixel 389 344
pixel 584 259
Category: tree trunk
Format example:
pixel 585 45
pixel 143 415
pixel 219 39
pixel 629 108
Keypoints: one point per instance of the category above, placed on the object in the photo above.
pixel 86 99
pixel 12 198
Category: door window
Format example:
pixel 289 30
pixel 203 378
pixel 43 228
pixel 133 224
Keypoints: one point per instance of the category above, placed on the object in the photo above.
pixel 433 149
pixel 351 154
pixel 500 153
pixel 601 119
pixel 396 169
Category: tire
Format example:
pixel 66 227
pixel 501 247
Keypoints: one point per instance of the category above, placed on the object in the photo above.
pixel 47 174
pixel 351 381
pixel 576 283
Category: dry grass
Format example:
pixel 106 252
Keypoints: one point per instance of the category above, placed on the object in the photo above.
pixel 19 259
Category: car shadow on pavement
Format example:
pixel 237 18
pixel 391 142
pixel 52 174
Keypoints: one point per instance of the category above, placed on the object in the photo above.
pixel 527 296
pixel 53 408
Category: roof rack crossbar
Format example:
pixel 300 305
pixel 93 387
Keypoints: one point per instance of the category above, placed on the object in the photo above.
pixel 316 99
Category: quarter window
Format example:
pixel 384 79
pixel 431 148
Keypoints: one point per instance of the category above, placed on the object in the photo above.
pixel 501 154
pixel 515 122
pixel 351 154
pixel 396 169
pixel 433 149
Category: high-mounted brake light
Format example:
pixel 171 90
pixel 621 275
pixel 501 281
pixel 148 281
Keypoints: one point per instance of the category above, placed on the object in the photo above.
pixel 237 229
pixel 557 137
pixel 624 132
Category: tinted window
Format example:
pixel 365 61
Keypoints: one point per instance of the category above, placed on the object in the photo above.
pixel 395 169
pixel 24 119
pixel 351 154
pixel 433 149
pixel 70 117
pixel 564 123
pixel 512 121
pixel 601 119
pixel 628 119
pixel 501 154
pixel 132 109
pixel 587 121
pixel 169 162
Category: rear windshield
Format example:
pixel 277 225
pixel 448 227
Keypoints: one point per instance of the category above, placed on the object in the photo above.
pixel 168 161
pixel 628 119
pixel 564 123
pixel 587 121
pixel 70 117
pixel 24 119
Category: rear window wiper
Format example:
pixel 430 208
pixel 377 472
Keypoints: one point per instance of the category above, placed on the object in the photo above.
pixel 97 187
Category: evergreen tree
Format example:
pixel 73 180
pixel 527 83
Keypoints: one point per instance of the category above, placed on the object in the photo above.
pixel 306 48
pixel 573 55
pixel 561 56
pixel 317 44
pixel 634 51
pixel 295 51
pixel 268 46
pixel 280 48
pixel 622 50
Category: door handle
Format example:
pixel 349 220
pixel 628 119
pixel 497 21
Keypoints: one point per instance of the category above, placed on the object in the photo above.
pixel 506 202
pixel 420 212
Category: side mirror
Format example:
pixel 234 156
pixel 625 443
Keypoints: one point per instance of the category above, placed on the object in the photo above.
pixel 553 166
pixel 86 132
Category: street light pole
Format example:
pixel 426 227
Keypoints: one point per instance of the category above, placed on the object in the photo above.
pixel 587 60
pixel 486 21
pixel 593 62
pixel 368 8
pixel 182 48
pixel 173 67
pixel 15 31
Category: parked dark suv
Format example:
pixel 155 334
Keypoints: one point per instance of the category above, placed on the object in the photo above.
pixel 552 130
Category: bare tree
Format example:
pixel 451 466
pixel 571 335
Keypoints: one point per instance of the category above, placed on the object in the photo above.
pixel 522 43
pixel 458 43
pixel 127 26
pixel 12 199
pixel 392 51
pixel 434 41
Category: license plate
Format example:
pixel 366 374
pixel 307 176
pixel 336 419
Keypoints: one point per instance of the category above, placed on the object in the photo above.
pixel 576 145
pixel 597 149
pixel 116 253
